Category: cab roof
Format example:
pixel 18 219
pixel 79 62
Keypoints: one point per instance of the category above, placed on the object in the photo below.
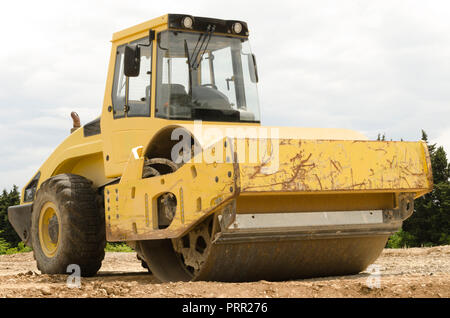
pixel 174 21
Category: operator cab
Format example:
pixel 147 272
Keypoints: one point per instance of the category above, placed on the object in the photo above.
pixel 205 70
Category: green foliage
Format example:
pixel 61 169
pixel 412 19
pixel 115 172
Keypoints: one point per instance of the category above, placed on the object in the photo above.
pixel 7 233
pixel 118 247
pixel 441 166
pixel 401 239
pixel 6 248
pixel 10 242
pixel 430 223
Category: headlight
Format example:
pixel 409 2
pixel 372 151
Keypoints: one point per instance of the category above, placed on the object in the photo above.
pixel 237 28
pixel 187 22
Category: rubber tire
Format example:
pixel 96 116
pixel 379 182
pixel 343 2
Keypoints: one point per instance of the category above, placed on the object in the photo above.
pixel 82 239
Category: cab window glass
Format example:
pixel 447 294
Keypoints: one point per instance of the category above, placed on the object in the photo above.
pixel 135 92
pixel 202 76
pixel 119 86
pixel 139 88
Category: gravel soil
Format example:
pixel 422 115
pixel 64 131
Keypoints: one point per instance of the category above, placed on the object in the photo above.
pixel 402 273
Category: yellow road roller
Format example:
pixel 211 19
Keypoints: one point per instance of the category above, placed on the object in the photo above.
pixel 180 168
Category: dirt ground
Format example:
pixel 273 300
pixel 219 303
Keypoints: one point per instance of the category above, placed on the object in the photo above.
pixel 415 272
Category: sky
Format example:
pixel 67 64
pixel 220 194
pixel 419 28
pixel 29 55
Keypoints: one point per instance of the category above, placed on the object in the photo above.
pixel 371 66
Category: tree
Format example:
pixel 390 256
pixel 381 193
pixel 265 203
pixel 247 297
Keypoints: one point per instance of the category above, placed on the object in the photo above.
pixel 430 223
pixel 381 137
pixel 8 199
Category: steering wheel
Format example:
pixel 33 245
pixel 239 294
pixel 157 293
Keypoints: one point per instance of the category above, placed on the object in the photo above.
pixel 211 85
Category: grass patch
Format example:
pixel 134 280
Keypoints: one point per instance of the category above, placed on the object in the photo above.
pixel 400 239
pixel 6 248
pixel 118 247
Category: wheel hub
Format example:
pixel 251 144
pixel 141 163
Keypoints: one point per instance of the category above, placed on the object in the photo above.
pixel 53 229
pixel 49 229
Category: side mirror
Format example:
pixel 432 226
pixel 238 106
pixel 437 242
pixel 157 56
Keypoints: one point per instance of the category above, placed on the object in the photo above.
pixel 252 68
pixel 132 60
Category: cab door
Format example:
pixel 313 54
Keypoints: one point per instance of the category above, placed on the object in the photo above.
pixel 130 106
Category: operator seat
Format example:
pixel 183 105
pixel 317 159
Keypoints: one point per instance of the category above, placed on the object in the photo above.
pixel 210 98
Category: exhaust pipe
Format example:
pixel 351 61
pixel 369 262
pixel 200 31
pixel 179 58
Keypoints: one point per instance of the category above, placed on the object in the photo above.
pixel 76 121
